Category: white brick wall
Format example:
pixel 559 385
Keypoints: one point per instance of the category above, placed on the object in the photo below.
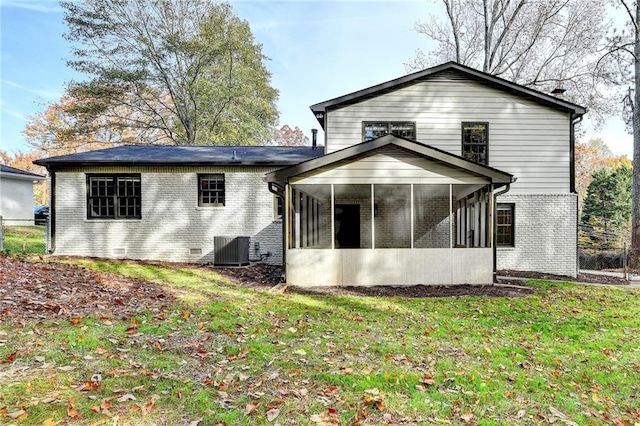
pixel 545 234
pixel 172 222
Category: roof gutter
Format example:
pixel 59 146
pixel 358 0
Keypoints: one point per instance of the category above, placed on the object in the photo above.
pixel 572 152
pixel 52 210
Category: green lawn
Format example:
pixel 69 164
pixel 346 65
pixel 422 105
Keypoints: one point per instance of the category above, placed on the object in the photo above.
pixel 32 238
pixel 227 354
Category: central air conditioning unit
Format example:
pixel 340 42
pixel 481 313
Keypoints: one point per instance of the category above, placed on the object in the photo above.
pixel 230 251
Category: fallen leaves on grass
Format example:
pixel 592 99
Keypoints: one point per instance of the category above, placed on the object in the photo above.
pixel 36 290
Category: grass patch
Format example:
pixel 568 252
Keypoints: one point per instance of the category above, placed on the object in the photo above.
pixel 25 239
pixel 245 357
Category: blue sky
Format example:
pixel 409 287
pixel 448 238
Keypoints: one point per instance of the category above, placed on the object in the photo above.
pixel 318 50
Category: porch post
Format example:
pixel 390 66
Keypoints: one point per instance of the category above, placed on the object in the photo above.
pixel 304 220
pixel 490 221
pixel 333 217
pixel 412 215
pixel 450 214
pixel 373 217
pixel 287 217
pixel 297 218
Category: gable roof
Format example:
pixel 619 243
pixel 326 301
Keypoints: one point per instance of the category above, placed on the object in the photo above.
pixel 142 155
pixel 321 108
pixel 9 171
pixel 355 152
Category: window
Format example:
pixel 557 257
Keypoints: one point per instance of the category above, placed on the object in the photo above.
pixel 475 142
pixel 505 231
pixel 211 190
pixel 372 130
pixel 114 197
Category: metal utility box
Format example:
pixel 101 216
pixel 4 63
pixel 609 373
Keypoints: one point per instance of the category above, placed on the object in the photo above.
pixel 230 251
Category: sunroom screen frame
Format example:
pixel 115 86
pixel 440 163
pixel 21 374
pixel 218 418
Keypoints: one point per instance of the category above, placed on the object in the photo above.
pixel 394 266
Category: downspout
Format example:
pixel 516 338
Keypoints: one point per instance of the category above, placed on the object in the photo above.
pixel 494 239
pixel 572 153
pixel 278 191
pixel 572 177
pixel 52 210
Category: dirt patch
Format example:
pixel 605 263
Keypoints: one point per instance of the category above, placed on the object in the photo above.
pixel 260 275
pixel 417 291
pixel 41 290
pixel 583 278
pixel 256 276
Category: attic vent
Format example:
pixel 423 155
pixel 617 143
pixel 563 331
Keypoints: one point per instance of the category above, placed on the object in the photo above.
pixel 119 251
pixel 230 251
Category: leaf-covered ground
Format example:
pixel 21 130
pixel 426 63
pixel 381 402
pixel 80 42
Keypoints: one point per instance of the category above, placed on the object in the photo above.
pixel 106 342
pixel 37 291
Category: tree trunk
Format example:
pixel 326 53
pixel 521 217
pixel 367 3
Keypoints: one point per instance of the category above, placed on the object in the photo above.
pixel 634 258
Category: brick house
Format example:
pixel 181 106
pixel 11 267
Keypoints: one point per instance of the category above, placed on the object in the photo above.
pixel 437 177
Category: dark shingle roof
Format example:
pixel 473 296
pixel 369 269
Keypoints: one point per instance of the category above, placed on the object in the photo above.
pixel 8 169
pixel 187 156
pixel 320 109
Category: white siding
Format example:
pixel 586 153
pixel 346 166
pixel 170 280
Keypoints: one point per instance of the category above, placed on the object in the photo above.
pixel 364 267
pixel 526 139
pixel 172 222
pixel 390 167
pixel 16 201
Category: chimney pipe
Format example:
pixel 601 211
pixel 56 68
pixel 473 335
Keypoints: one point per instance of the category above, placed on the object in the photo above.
pixel 314 138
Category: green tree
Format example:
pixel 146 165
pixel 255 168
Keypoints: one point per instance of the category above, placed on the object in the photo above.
pixel 607 208
pixel 189 69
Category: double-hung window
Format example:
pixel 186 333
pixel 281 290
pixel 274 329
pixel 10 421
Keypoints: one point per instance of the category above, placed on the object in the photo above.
pixel 376 129
pixel 211 191
pixel 506 225
pixel 114 196
pixel 475 142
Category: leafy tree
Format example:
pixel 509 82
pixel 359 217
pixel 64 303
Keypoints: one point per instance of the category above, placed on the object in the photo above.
pixel 58 131
pixel 286 136
pixel 186 70
pixel 623 50
pixel 607 207
pixel 591 156
pixel 542 44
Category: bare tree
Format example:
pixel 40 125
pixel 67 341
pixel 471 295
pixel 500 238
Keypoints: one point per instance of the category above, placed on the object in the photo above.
pixel 623 50
pixel 542 44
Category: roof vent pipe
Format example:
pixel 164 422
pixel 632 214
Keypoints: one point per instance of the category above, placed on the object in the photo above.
pixel 314 138
pixel 235 157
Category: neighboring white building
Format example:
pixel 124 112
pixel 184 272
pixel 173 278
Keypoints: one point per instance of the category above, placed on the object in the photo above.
pixel 437 177
pixel 16 195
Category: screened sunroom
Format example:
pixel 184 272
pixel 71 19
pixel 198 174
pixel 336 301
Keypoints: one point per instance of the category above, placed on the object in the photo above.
pixel 389 212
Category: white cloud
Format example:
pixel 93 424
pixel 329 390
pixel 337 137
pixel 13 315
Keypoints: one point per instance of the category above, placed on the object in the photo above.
pixel 13 114
pixel 12 84
pixel 44 6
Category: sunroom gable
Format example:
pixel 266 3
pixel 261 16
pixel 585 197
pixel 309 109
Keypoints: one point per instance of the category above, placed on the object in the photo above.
pixel 390 159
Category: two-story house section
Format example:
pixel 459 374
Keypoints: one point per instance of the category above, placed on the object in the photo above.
pixel 441 176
